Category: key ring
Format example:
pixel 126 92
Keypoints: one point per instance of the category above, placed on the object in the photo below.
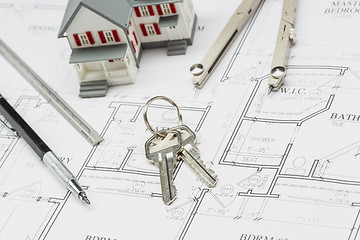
pixel 146 110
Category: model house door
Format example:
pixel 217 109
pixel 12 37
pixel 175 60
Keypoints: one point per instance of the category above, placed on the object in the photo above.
pixel 174 33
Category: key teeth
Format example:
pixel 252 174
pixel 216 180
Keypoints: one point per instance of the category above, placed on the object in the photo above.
pixel 201 162
pixel 194 151
pixel 211 172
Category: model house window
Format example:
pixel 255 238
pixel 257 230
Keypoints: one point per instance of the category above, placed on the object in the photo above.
pixel 84 39
pixel 109 36
pixel 151 29
pixel 144 11
pixel 166 9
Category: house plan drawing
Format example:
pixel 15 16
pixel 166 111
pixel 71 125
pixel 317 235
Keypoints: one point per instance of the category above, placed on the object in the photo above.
pixel 287 162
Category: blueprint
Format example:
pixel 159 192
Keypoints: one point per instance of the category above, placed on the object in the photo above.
pixel 287 163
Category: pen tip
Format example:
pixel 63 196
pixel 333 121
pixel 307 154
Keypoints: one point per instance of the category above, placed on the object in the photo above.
pixel 86 200
pixel 83 197
pixel 270 89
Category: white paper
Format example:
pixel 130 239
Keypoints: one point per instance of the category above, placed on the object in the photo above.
pixel 288 163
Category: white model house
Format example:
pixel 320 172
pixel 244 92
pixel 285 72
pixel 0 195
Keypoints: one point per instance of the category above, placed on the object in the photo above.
pixel 107 37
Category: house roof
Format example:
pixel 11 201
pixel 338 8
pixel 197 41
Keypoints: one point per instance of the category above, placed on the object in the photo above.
pixel 116 11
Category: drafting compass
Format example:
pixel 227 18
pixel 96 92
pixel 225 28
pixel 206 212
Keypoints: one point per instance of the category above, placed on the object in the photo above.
pixel 204 69
pixel 286 37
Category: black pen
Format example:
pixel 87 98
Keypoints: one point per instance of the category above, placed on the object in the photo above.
pixel 41 149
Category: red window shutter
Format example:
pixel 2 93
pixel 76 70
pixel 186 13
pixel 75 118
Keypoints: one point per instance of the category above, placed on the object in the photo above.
pixel 127 31
pixel 135 38
pixel 172 7
pixel 116 35
pixel 137 12
pixel 90 37
pixel 159 10
pixel 77 40
pixel 151 10
pixel 157 29
pixel 111 60
pixel 102 36
pixel 143 29
pixel 132 44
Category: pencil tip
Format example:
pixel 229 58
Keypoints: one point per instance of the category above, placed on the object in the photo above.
pixel 270 89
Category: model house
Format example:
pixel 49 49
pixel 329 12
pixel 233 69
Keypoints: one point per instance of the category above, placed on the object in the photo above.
pixel 107 37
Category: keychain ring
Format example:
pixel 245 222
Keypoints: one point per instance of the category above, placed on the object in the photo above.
pixel 146 120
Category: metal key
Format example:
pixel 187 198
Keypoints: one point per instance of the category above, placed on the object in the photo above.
pixel 162 152
pixel 190 155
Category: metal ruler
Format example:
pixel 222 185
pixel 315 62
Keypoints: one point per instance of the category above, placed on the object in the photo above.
pixel 50 95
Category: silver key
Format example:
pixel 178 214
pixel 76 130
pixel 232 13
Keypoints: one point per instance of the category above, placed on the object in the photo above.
pixel 162 152
pixel 190 154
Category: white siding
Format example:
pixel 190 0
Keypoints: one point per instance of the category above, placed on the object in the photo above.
pixel 186 19
pixel 86 20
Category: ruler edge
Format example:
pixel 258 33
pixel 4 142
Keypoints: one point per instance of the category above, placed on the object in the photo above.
pixel 93 137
